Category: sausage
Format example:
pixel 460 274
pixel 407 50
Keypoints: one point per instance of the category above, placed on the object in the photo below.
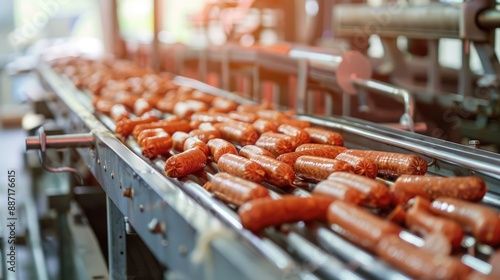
pixel 324 136
pixel 185 109
pixel 241 167
pixel 193 142
pixel 276 143
pixel 291 158
pixel 299 136
pixel 104 106
pixel 149 133
pixel 260 213
pixel 141 106
pixel 271 114
pixel 250 150
pixel 277 173
pixel 125 98
pixel 318 168
pixel 468 188
pixel 167 125
pixel 397 215
pixel 419 263
pixel 126 126
pixel 314 146
pixel 167 104
pixel 358 225
pixel 251 108
pixel 234 190
pixel 119 112
pixel 210 117
pixel 420 220
pixel 263 125
pixel 482 221
pixel 375 193
pixel 185 163
pixel 242 135
pixel 178 139
pixel 223 105
pixel 338 190
pixel 157 145
pixel 243 116
pixel 362 166
pixel 219 147
pixel 294 122
pixel 393 164
pixel 205 135
pixel 201 96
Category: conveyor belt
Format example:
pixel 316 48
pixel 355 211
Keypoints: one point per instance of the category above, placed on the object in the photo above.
pixel 186 211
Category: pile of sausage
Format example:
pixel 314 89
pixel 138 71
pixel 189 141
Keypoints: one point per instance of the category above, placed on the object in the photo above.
pixel 253 144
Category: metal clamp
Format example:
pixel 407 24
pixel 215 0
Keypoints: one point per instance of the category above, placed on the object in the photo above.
pixel 44 142
pixel 406 119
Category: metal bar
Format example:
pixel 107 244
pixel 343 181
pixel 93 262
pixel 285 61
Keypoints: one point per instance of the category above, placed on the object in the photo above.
pixel 61 141
pixel 465 80
pixel 117 248
pixel 489 19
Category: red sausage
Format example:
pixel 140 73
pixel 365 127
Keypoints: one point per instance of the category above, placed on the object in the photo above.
pixel 324 136
pixel 219 147
pixel 241 167
pixel 315 146
pixel 277 173
pixel 178 139
pixel 481 220
pixel 234 190
pixel 318 168
pixel 157 145
pixel 406 187
pixel 276 143
pixel 375 193
pixel 291 158
pixel 338 190
pixel 126 126
pixel 185 163
pixel 299 136
pixel 193 142
pixel 362 166
pixel 263 125
pixel 360 226
pixel 261 213
pixel 242 135
pixel 250 150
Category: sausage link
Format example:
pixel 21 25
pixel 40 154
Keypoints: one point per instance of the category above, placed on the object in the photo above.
pixel 258 214
pixel 193 142
pixel 291 158
pixel 315 146
pixel 185 109
pixel 397 215
pixel 393 164
pixel 250 150
pixel 276 143
pixel 169 126
pixel 141 106
pixel 251 108
pixel 185 163
pixel 104 106
pixel 420 220
pixel 358 225
pixel 126 126
pixel 201 96
pixel 299 136
pixel 167 104
pixel 234 190
pixel 338 190
pixel 324 136
pixel 362 166
pixel 483 221
pixel 210 117
pixel 243 116
pixel 241 167
pixel 263 125
pixel 277 173
pixel 406 187
pixel 157 145
pixel 238 134
pixel 205 135
pixel 318 168
pixel 423 264
pixel 375 193
pixel 294 122
pixel 178 139
pixel 223 105
pixel 271 115
pixel 149 133
pixel 127 99
pixel 219 147
pixel 119 112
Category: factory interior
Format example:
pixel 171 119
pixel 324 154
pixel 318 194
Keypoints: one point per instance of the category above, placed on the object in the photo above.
pixel 249 139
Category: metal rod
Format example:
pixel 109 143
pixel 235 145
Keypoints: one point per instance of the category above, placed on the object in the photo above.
pixel 61 141
pixel 489 19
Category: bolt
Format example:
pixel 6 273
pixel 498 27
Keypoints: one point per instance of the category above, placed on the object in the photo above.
pixel 128 192
pixel 155 226
pixel 474 143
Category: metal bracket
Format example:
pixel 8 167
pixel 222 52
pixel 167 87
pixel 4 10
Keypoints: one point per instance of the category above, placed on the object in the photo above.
pixel 58 141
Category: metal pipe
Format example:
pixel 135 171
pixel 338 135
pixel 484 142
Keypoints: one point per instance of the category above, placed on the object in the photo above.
pixel 489 19
pixel 79 140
